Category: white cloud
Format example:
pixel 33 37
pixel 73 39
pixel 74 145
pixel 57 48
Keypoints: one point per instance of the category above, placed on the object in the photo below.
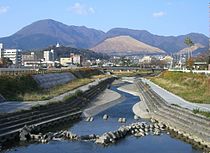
pixel 158 14
pixel 81 9
pixel 3 9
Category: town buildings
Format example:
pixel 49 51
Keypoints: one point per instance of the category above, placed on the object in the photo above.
pixel 14 55
pixel 30 59
pixel 73 59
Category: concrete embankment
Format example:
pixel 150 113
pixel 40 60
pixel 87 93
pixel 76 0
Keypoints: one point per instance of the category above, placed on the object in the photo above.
pixel 16 87
pixel 50 80
pixel 192 128
pixel 48 115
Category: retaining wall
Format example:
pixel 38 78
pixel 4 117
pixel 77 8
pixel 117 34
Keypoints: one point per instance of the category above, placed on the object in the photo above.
pixel 49 115
pixel 180 120
pixel 47 81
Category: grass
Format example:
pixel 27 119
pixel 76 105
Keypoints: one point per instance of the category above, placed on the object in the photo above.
pixel 24 88
pixel 203 113
pixel 13 86
pixel 192 87
pixel 53 92
pixel 132 73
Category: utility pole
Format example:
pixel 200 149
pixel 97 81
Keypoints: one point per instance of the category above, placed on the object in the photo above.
pixel 209 41
pixel 208 84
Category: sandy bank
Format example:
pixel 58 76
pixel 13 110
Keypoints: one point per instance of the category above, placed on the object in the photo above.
pixel 105 100
pixel 140 109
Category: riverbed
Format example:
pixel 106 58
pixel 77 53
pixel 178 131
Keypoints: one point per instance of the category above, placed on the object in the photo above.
pixel 148 144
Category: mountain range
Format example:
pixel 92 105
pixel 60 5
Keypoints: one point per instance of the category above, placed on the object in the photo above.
pixel 44 33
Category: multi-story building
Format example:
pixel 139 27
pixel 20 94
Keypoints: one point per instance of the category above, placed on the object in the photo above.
pixel 14 55
pixel 76 59
pixel 1 49
pixel 30 60
pixel 49 55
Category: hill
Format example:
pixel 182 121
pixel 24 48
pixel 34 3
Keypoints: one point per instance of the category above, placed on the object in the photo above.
pixel 63 51
pixel 125 45
pixel 195 48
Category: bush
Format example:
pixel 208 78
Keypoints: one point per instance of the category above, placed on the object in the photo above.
pixel 12 87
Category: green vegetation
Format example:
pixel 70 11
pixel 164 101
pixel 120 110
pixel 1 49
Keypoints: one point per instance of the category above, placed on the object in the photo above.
pixel 203 113
pixel 12 87
pixel 192 87
pixel 24 88
pixel 5 62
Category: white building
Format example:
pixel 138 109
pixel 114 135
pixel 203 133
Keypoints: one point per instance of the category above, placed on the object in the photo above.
pixel 14 55
pixel 49 55
pixel 57 45
pixel 1 49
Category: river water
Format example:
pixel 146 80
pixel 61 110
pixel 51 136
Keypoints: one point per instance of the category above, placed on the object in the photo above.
pixel 148 144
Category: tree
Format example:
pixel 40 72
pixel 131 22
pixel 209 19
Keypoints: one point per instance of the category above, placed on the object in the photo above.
pixel 189 43
pixel 5 62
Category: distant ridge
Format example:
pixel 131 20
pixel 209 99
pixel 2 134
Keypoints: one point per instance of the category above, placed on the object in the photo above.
pixel 44 33
pixel 125 45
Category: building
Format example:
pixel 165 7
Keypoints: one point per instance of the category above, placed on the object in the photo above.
pixel 76 59
pixel 65 61
pixel 49 55
pixel 14 55
pixel 57 45
pixel 30 60
pixel 1 49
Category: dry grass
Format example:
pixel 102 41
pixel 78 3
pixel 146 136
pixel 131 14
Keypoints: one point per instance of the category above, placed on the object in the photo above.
pixel 131 73
pixel 58 90
pixel 192 87
pixel 44 95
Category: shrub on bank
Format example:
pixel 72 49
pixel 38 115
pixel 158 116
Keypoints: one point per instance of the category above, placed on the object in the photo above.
pixel 11 87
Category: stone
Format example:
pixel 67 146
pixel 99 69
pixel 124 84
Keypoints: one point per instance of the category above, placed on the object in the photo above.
pixel 105 117
pixel 136 117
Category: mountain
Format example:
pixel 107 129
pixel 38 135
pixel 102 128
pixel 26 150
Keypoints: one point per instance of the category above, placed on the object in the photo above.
pixel 44 33
pixel 125 45
pixel 47 32
pixel 191 49
pixel 170 44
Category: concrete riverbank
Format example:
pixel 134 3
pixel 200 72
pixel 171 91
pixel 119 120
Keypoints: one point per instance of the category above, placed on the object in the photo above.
pixel 49 115
pixel 13 106
pixel 183 123
pixel 174 99
pixel 193 128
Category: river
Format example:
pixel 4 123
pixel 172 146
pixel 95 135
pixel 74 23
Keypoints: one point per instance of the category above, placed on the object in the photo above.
pixel 148 144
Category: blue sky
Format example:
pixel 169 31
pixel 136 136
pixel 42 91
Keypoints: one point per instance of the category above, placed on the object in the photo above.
pixel 162 17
